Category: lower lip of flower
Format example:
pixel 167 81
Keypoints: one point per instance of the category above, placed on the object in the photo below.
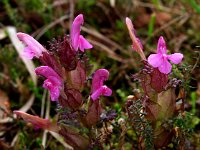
pixel 164 55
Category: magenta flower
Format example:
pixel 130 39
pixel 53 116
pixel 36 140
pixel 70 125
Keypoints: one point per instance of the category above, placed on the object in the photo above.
pixel 98 88
pixel 53 82
pixel 160 59
pixel 78 41
pixel 33 48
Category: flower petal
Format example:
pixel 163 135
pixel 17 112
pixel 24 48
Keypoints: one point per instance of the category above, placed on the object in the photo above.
pixel 53 82
pixel 53 85
pixel 103 90
pixel 32 46
pixel 99 77
pixel 165 67
pixel 107 91
pixel 27 53
pixel 176 58
pixel 95 95
pixel 84 44
pixel 75 31
pixel 155 60
pixel 46 71
pixel 161 47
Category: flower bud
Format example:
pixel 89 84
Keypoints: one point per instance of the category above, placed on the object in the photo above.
pixel 137 45
pixel 37 121
pixel 121 121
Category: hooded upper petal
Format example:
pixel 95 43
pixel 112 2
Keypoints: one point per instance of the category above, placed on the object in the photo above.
pixel 98 87
pixel 99 77
pixel 33 48
pixel 53 82
pixel 161 47
pixel 77 40
pixel 75 31
pixel 46 71
pixel 53 85
pixel 176 58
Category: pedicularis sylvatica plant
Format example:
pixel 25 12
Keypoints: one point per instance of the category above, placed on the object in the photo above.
pixel 81 120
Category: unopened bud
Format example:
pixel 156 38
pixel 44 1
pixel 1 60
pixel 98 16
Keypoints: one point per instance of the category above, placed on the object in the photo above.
pixel 110 129
pixel 121 121
pixel 131 97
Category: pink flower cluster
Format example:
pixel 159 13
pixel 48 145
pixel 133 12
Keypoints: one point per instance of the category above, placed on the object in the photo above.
pixel 54 82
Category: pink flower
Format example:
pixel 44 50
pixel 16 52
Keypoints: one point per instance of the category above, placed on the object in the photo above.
pixel 53 82
pixel 78 41
pixel 33 48
pixel 161 59
pixel 98 88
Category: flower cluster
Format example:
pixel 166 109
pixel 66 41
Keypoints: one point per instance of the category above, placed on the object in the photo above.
pixel 54 81
pixel 65 69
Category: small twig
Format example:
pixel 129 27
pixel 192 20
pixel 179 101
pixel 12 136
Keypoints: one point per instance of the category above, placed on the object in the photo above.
pixel 43 103
pixel 61 140
pixel 112 3
pixel 28 104
pixel 110 53
pixel 2 34
pixel 25 108
pixel 104 38
pixel 166 25
pixel 14 140
pixel 59 3
pixel 49 26
pixel 122 137
pixel 197 62
pixel 44 138
pixel 7 78
pixel 71 7
pixel 149 5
